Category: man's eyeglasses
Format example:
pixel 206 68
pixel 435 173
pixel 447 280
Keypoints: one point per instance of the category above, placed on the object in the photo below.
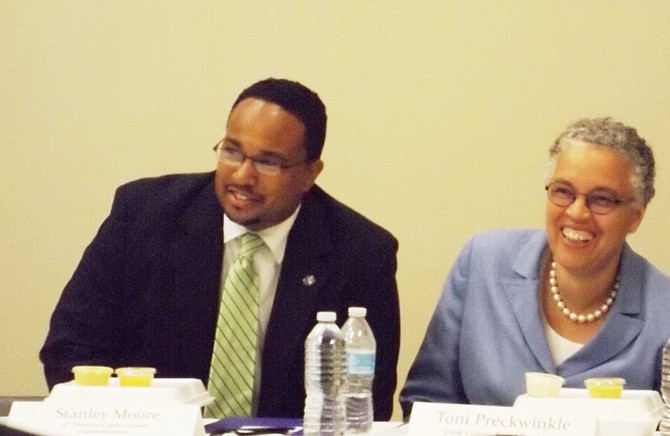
pixel 599 202
pixel 267 165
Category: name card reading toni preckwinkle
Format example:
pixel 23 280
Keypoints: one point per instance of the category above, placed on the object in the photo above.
pixel 440 419
pixel 64 419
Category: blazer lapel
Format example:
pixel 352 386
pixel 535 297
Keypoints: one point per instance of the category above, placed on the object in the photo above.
pixel 618 332
pixel 197 253
pixel 303 274
pixel 522 293
pixel 622 326
pixel 623 323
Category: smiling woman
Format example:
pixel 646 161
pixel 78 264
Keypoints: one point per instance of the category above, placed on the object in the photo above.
pixel 587 245
pixel 572 300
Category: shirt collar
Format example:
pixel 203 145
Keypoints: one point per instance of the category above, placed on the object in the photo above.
pixel 274 237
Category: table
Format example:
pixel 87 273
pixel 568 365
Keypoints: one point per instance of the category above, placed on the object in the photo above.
pixel 378 429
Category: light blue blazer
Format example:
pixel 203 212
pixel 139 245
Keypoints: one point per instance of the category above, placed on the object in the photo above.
pixel 487 329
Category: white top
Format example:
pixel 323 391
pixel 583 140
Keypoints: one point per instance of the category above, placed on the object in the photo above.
pixel 561 348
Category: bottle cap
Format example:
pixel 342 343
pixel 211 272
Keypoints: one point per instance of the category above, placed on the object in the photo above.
pixel 358 312
pixel 326 316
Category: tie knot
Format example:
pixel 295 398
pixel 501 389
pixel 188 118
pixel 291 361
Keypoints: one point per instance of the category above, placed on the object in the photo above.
pixel 249 244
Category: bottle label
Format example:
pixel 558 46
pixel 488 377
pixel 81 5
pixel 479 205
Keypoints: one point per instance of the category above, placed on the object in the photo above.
pixel 361 363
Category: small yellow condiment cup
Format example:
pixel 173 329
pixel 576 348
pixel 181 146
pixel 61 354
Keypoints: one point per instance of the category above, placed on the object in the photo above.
pixel 92 375
pixel 135 376
pixel 606 387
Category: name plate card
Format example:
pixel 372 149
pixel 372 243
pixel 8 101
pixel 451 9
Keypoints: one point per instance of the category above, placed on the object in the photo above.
pixel 65 419
pixel 460 419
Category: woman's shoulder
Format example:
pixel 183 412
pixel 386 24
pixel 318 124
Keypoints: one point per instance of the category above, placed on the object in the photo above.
pixel 509 238
pixel 506 250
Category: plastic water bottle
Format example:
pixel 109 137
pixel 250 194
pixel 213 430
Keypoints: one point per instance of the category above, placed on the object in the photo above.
pixel 361 348
pixel 664 428
pixel 324 378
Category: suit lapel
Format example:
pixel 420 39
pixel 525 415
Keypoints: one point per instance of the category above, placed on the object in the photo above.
pixel 524 302
pixel 522 293
pixel 303 275
pixel 622 326
pixel 196 253
pixel 620 330
pixel 623 323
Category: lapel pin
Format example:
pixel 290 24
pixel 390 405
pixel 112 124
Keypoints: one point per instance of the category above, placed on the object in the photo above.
pixel 308 280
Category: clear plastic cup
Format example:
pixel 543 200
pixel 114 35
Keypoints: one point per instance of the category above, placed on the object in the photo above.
pixel 92 375
pixel 135 376
pixel 539 384
pixel 605 387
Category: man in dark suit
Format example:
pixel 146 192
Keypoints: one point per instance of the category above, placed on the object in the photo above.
pixel 147 290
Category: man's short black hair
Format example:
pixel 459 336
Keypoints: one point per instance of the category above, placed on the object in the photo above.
pixel 298 100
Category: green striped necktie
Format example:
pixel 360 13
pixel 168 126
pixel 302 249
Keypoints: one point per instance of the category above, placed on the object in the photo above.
pixel 231 377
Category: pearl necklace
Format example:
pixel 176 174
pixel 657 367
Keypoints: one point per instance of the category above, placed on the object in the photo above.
pixel 572 316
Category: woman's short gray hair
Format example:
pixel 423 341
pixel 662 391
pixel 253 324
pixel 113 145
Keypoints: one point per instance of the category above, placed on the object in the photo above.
pixel 623 139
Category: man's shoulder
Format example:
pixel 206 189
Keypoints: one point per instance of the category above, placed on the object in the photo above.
pixel 169 185
pixel 167 194
pixel 344 218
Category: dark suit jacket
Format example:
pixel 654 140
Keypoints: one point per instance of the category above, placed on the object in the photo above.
pixel 146 291
pixel 9 431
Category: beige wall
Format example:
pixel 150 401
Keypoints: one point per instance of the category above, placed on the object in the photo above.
pixel 440 116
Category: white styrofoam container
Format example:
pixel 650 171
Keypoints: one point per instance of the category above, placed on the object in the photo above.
pixel 161 391
pixel 636 413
